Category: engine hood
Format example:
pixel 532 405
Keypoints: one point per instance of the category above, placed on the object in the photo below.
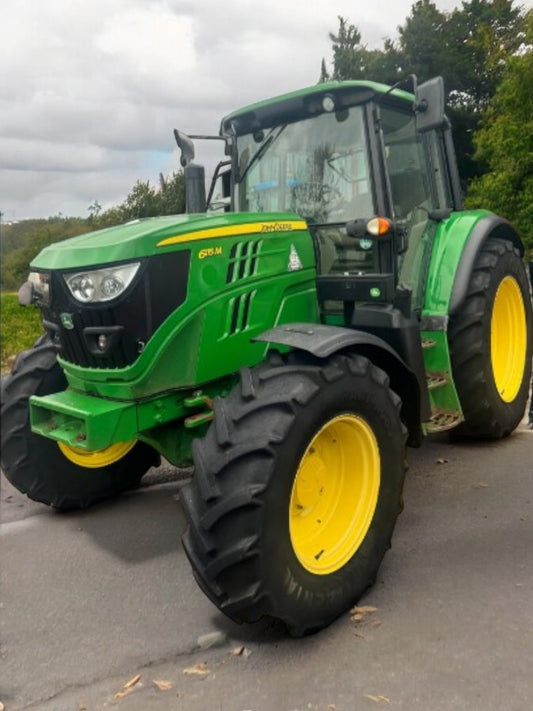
pixel 153 235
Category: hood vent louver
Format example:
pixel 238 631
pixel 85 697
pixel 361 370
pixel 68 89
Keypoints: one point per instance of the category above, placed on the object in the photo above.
pixel 243 260
pixel 239 312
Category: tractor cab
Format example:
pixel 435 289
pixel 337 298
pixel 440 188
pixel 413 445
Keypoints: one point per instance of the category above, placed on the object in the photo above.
pixel 372 171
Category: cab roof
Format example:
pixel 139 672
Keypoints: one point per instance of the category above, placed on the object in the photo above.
pixel 307 102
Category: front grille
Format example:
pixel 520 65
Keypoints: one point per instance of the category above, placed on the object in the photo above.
pixel 130 321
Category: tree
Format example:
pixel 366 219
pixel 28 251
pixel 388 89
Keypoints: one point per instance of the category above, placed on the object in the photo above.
pixel 480 38
pixel 504 142
pixel 469 47
pixel 142 201
pixel 172 194
pixel 145 200
pixel 348 54
pixel 422 46
pixel 94 210
pixel 353 60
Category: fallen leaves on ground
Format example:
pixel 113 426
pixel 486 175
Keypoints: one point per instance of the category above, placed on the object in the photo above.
pixel 378 699
pixel 197 670
pixel 162 684
pixel 128 687
pixel 135 680
pixel 241 651
pixel 359 612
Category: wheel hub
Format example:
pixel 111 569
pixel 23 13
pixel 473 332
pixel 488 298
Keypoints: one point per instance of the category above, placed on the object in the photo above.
pixel 508 339
pixel 99 458
pixel 334 494
pixel 311 481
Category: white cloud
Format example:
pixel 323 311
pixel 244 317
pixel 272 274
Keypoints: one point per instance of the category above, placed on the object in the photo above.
pixel 149 45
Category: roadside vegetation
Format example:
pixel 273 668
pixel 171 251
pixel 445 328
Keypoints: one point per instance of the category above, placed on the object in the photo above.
pixel 22 241
pixel 21 326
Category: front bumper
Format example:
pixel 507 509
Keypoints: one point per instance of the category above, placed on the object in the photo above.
pixel 92 423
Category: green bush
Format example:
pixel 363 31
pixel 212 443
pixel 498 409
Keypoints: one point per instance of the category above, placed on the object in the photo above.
pixel 20 327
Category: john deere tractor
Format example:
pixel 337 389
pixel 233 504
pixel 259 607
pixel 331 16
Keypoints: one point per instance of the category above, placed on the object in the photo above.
pixel 329 302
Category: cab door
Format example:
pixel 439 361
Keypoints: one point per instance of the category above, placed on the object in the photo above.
pixel 419 185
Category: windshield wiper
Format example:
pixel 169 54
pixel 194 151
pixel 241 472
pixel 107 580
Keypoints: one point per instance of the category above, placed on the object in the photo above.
pixel 261 151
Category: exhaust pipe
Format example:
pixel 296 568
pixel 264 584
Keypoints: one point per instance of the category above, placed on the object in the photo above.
pixel 195 199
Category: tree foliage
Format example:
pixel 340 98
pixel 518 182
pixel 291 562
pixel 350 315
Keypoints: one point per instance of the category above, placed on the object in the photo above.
pixel 144 200
pixel 505 144
pixel 469 47
pixel 353 60
pixel 21 241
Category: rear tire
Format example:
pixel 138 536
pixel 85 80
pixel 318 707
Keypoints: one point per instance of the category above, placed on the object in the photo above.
pixel 490 344
pixel 35 465
pixel 296 490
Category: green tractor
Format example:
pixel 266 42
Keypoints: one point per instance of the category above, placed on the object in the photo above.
pixel 329 302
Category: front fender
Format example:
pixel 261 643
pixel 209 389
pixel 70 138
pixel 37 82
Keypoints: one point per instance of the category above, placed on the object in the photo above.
pixel 319 339
pixel 322 341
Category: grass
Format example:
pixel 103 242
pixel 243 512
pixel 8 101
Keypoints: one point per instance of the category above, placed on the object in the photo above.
pixel 19 328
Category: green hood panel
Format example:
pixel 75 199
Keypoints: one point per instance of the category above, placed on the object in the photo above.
pixel 142 238
pixel 245 273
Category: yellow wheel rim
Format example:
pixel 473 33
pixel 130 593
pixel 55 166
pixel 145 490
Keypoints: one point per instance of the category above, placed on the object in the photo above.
pixel 334 495
pixel 508 339
pixel 99 458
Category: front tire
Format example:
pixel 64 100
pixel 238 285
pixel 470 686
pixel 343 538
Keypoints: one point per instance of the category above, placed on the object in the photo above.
pixel 490 343
pixel 296 490
pixel 65 478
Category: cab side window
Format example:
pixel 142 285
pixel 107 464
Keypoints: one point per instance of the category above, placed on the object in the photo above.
pixel 415 163
pixel 419 182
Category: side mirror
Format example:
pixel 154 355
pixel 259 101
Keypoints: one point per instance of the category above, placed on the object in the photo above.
pixel 186 147
pixel 429 105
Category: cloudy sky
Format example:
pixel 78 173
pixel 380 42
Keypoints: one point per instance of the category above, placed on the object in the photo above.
pixel 90 90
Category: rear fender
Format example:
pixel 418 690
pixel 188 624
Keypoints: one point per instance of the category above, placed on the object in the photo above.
pixel 491 226
pixel 457 245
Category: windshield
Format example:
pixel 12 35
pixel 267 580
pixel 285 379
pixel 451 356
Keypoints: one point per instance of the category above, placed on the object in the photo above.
pixel 317 167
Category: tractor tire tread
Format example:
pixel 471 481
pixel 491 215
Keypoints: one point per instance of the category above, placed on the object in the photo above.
pixel 468 351
pixel 34 464
pixel 261 411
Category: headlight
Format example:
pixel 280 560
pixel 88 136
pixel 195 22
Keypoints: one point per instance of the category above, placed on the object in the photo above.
pixel 41 287
pixel 101 284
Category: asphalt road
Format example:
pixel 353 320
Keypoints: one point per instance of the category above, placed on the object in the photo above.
pixel 89 601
